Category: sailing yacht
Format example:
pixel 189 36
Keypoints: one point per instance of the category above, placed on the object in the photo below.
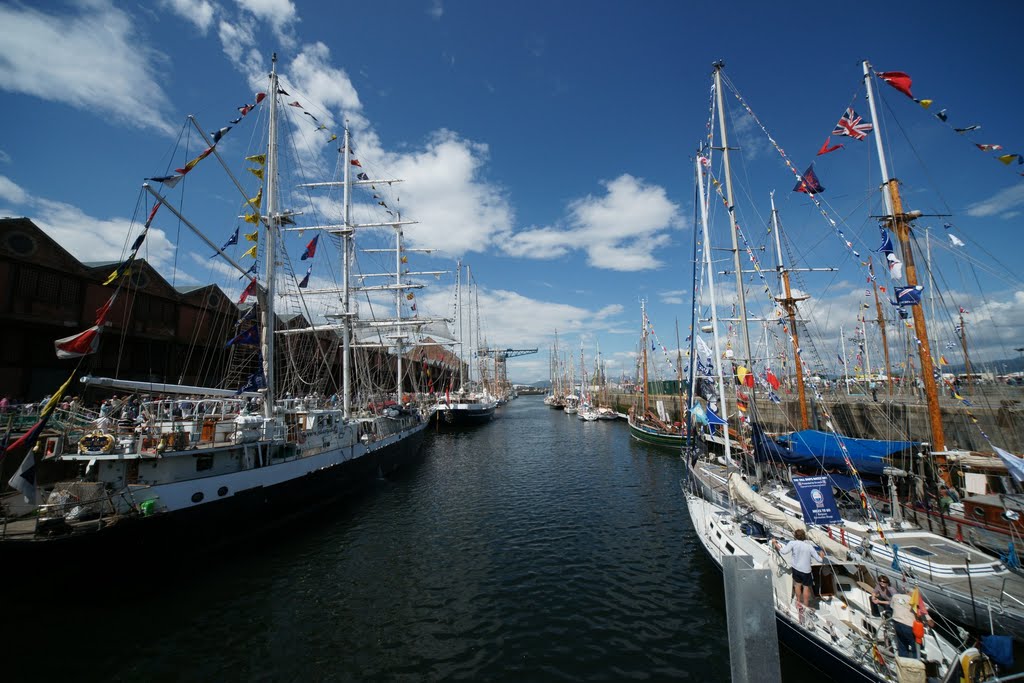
pixel 731 518
pixel 645 425
pixel 168 462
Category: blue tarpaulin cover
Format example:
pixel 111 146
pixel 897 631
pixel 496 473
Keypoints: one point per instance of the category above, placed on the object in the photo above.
pixel 810 448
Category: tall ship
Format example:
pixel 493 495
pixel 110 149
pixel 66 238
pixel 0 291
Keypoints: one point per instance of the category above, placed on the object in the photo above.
pixel 468 403
pixel 311 398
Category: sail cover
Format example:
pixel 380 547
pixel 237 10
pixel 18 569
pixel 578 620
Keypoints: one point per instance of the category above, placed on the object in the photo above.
pixel 824 450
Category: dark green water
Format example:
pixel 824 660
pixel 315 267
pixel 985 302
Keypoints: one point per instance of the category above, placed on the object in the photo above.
pixel 536 548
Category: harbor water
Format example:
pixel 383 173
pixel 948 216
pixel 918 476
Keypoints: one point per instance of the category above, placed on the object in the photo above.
pixel 538 547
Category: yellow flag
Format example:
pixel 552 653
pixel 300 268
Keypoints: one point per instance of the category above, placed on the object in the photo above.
pixel 253 218
pixel 257 159
pixel 258 172
pixel 57 396
pixel 258 199
pixel 116 274
pixel 915 600
pixel 405 259
pixel 1007 158
pixel 925 103
pixel 252 251
pixel 252 236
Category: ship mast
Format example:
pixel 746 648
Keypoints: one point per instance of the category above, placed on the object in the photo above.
pixel 709 265
pixel 789 303
pixel 643 344
pixel 268 317
pixel 899 222
pixel 733 226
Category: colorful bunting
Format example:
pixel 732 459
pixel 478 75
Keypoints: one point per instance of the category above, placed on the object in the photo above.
pixel 258 172
pixel 305 281
pixel 251 251
pixel 967 129
pixel 257 200
pixel 253 218
pixel 252 236
pixel 989 148
pixel 251 271
pixel 809 184
pixel 218 134
pixel 908 296
pixel 825 149
pixel 250 336
pixel 898 80
pixel 24 478
pixel 249 290
pixel 1009 158
pixel 81 344
pixel 310 249
pixel 192 164
pixel 168 180
pixel 260 159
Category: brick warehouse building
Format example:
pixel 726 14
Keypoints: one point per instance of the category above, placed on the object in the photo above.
pixel 173 335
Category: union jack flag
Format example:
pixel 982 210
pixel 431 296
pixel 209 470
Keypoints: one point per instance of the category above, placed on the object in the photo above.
pixel 851 124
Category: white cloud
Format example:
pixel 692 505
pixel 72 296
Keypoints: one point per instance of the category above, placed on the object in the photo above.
pixel 91 59
pixel 999 204
pixel 324 84
pixel 511 320
pixel 87 238
pixel 238 40
pixel 457 210
pixel 622 230
pixel 199 12
pixel 11 192
pixel 5 158
pixel 436 9
pixel 674 297
pixel 280 14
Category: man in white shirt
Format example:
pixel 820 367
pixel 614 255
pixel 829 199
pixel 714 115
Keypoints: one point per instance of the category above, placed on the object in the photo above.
pixel 801 552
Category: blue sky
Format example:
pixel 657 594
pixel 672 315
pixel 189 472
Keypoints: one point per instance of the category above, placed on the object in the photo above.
pixel 548 144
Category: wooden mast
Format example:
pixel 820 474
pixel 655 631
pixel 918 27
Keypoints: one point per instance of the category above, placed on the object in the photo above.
pixel 789 303
pixel 899 222
pixel 881 327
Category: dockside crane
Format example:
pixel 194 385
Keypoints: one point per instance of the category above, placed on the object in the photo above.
pixel 500 356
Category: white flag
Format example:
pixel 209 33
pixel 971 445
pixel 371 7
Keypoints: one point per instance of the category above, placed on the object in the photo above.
pixel 956 241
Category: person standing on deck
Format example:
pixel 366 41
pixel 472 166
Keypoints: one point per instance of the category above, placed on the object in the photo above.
pixel 801 552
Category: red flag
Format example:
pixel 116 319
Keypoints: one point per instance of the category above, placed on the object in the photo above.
pixel 249 291
pixel 355 162
pixel 295 104
pixel 260 96
pixel 825 149
pixel 898 80
pixel 104 310
pixel 152 213
pixel 81 344
pixel 772 380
